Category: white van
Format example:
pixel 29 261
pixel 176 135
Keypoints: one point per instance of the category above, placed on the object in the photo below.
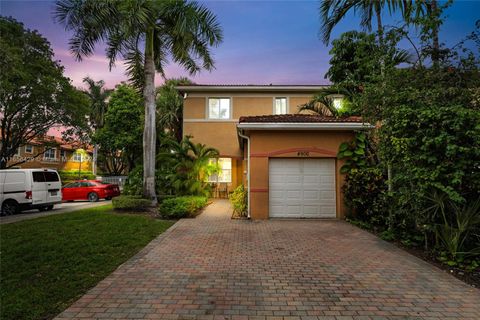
pixel 23 189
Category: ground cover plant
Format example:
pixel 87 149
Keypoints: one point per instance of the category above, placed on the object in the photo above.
pixel 182 207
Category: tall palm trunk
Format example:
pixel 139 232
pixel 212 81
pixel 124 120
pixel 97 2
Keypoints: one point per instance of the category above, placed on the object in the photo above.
pixel 378 12
pixel 149 131
pixel 435 40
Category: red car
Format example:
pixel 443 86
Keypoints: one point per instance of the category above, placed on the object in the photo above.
pixel 90 190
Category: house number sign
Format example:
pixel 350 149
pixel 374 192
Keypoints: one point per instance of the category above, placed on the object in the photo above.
pixel 303 154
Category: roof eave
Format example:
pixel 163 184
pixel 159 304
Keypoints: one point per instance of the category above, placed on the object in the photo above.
pixel 305 126
pixel 285 88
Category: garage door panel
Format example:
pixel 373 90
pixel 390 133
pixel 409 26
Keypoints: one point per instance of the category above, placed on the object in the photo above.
pixel 302 188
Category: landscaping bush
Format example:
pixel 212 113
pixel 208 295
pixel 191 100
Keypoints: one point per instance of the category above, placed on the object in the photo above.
pixel 134 184
pixel 131 203
pixel 365 194
pixel 68 176
pixel 182 207
pixel 239 199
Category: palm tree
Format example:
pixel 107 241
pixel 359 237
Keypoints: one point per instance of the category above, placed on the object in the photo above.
pixel 191 165
pixel 170 107
pixel 145 33
pixel 333 11
pixel 98 96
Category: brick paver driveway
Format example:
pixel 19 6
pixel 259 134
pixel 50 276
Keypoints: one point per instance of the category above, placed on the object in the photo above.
pixel 214 268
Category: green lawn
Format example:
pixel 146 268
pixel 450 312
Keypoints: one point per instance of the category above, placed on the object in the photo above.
pixel 47 263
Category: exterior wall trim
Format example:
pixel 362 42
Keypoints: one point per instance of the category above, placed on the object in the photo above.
pixel 304 126
pixel 290 150
pixel 210 120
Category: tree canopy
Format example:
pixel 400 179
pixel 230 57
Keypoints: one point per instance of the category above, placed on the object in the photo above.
pixel 34 94
pixel 120 139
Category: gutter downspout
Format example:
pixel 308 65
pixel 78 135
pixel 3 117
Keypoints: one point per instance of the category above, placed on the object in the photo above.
pixel 248 170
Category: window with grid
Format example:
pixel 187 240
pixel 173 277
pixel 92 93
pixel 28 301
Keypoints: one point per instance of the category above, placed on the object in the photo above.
pixel 225 174
pixel 49 154
pixel 77 157
pixel 280 106
pixel 219 108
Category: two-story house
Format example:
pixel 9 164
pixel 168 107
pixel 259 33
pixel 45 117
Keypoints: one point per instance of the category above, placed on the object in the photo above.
pixel 53 153
pixel 288 161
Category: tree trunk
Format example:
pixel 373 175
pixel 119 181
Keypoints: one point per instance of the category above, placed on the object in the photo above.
pixel 435 40
pixel 378 11
pixel 149 132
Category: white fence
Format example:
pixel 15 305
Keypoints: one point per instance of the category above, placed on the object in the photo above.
pixel 119 180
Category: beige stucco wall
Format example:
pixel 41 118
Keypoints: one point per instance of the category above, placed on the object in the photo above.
pixel 222 134
pixel 288 144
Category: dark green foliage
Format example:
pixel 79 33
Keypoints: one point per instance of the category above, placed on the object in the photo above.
pixel 187 166
pixel 365 193
pixel 358 153
pixel 134 183
pixel 34 94
pixel 170 107
pixel 131 203
pixel 120 138
pixel 239 199
pixel 68 176
pixel 182 207
pixel 48 263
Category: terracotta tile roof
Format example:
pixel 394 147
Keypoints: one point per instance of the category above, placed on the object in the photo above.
pixel 297 118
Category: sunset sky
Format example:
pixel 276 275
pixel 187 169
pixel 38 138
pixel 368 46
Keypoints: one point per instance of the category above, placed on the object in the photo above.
pixel 264 41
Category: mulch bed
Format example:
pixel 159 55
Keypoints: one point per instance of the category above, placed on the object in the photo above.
pixel 471 278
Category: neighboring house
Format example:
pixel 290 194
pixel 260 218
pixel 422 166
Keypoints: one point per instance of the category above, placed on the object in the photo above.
pixel 294 172
pixel 53 153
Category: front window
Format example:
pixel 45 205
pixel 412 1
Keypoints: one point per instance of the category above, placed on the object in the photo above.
pixel 49 154
pixel 28 148
pixel 77 157
pixel 280 106
pixel 219 108
pixel 63 155
pixel 225 173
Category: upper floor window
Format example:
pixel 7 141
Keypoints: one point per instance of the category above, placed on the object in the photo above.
pixel 219 108
pixel 280 106
pixel 78 157
pixel 337 102
pixel 28 148
pixel 63 155
pixel 49 154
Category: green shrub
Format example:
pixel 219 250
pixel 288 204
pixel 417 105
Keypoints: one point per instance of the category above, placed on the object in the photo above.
pixel 365 193
pixel 68 176
pixel 134 184
pixel 182 207
pixel 239 200
pixel 131 203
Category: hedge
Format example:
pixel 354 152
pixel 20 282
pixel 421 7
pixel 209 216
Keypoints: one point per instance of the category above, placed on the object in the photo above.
pixel 182 207
pixel 68 176
pixel 131 203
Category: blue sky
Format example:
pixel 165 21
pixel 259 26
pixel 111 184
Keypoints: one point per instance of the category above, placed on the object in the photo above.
pixel 264 41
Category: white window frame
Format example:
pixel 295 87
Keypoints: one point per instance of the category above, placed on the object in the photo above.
pixel 75 159
pixel 287 105
pixel 214 178
pixel 17 152
pixel 32 148
pixel 54 150
pixel 207 108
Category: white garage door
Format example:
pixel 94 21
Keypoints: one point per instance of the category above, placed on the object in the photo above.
pixel 302 188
